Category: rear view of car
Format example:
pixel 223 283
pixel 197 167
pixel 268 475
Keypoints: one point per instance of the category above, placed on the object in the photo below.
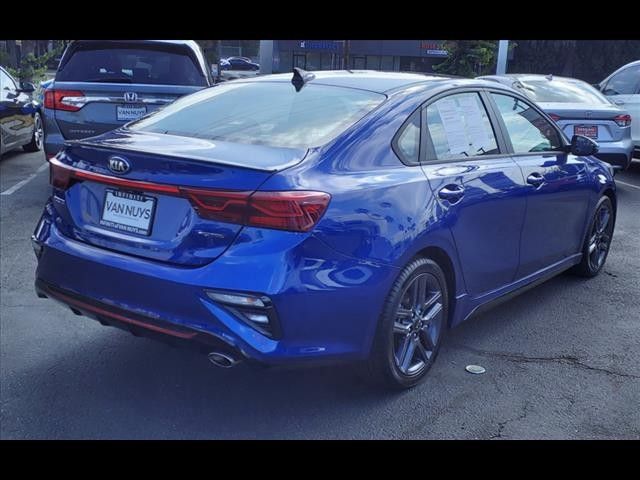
pixel 101 85
pixel 579 109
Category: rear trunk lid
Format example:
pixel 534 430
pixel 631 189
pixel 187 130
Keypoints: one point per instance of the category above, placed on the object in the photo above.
pixel 146 209
pixel 107 106
pixel 593 120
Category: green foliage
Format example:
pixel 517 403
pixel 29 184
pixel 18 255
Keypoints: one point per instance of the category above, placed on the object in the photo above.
pixel 469 58
pixel 32 68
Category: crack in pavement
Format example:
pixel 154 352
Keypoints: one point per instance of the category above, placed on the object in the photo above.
pixel 502 425
pixel 563 359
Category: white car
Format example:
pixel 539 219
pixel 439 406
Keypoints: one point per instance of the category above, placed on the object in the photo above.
pixel 623 88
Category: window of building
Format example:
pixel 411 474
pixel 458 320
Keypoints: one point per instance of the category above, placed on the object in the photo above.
pixel 386 63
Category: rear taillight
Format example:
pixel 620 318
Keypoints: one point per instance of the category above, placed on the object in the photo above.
pixel 297 211
pixel 68 100
pixel 554 117
pixel 623 120
pixel 294 210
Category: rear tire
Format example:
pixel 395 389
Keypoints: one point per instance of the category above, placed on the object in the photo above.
pixel 35 145
pixel 598 241
pixel 411 327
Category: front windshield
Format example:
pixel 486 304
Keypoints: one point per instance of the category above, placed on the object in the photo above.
pixel 264 113
pixel 562 91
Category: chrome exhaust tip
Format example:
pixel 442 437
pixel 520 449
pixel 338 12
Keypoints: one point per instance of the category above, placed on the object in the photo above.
pixel 223 360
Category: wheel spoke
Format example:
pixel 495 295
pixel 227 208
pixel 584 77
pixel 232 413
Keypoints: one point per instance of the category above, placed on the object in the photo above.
pixel 426 339
pixel 403 313
pixel 433 312
pixel 592 246
pixel 401 328
pixel 408 353
pixel 422 351
pixel 603 220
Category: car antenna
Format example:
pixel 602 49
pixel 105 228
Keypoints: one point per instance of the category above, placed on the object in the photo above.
pixel 301 77
pixel 549 77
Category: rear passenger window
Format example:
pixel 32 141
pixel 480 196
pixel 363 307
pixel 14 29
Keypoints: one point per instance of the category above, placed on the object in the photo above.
pixel 408 142
pixel 529 131
pixel 459 126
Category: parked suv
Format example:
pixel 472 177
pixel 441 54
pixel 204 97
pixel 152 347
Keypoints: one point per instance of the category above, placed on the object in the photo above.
pixel 622 87
pixel 101 85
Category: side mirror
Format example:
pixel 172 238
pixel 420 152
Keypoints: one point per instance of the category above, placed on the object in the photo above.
pixel 27 87
pixel 583 146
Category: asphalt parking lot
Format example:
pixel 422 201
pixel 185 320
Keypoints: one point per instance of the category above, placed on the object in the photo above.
pixel 562 361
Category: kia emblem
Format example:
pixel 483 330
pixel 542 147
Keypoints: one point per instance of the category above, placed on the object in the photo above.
pixel 130 97
pixel 118 165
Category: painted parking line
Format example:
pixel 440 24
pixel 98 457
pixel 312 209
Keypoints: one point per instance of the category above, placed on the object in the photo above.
pixel 627 184
pixel 22 183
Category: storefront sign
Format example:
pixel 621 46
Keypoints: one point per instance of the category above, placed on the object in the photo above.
pixel 320 45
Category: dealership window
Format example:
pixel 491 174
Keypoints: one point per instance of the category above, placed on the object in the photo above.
pixel 326 61
pixel 529 131
pixel 373 62
pixel 285 64
pixel 386 63
pixel 357 63
pixel 459 127
pixel 313 61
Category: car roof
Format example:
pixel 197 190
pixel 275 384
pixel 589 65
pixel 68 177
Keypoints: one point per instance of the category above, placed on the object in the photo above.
pixel 525 77
pixel 373 80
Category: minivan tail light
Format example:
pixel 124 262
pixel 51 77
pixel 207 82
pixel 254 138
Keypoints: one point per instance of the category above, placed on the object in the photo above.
pixel 67 100
pixel 623 120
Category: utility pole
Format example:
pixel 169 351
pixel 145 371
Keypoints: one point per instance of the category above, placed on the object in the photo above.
pixel 503 48
pixel 345 54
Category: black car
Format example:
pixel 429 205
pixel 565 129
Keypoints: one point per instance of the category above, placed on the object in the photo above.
pixel 238 63
pixel 20 116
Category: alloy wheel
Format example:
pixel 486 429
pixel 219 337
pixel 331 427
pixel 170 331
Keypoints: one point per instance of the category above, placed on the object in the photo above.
pixel 600 237
pixel 418 324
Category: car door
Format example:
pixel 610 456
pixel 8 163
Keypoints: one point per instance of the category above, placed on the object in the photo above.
pixel 558 185
pixel 17 112
pixel 479 188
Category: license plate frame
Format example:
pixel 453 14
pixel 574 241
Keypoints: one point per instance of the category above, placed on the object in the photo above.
pixel 590 131
pixel 128 112
pixel 117 221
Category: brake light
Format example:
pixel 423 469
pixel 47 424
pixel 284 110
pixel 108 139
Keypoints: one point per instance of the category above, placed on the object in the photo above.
pixel 623 120
pixel 68 100
pixel 294 210
pixel 554 117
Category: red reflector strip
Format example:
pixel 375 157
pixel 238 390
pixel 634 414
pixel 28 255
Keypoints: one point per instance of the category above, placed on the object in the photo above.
pixel 106 313
pixel 63 173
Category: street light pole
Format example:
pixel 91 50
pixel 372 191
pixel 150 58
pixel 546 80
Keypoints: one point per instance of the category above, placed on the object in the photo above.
pixel 503 48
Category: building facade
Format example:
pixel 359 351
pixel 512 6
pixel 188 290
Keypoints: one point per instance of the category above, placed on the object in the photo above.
pixel 387 55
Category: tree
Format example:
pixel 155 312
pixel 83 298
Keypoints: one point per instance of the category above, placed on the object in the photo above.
pixel 468 58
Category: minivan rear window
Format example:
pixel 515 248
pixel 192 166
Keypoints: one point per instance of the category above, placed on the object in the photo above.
pixel 131 65
pixel 264 113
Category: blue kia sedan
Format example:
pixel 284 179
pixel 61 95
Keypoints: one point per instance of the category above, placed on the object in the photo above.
pixel 336 216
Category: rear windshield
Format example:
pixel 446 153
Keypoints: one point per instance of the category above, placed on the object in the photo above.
pixel 560 91
pixel 263 113
pixel 131 65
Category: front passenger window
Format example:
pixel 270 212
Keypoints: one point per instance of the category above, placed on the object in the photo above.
pixel 529 131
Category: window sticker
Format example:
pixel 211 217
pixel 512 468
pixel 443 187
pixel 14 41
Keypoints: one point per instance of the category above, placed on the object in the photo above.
pixel 475 123
pixel 454 127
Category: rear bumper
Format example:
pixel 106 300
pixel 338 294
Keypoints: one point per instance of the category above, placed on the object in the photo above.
pixel 327 304
pixel 616 153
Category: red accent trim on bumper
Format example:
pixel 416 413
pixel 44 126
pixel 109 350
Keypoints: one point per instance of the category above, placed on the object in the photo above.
pixel 92 308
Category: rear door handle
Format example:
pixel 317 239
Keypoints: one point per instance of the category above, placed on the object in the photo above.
pixel 453 193
pixel 536 179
